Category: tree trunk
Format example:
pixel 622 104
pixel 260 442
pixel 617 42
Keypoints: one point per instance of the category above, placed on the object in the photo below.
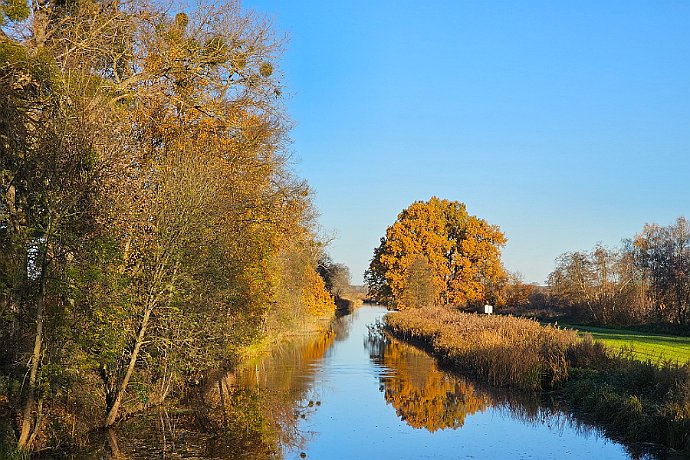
pixel 115 452
pixel 152 300
pixel 111 415
pixel 27 413
pixel 222 402
pixel 40 23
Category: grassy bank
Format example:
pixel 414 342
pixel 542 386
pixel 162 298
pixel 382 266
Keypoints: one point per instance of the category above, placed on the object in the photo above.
pixel 643 345
pixel 633 400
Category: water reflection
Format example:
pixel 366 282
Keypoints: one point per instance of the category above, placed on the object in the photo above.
pixel 427 397
pixel 330 397
pixel 423 396
pixel 167 433
pixel 283 379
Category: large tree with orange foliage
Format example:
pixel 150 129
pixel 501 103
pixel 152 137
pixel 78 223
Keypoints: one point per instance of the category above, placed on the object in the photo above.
pixel 462 253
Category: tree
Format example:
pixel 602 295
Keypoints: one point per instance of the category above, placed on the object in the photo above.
pixel 54 159
pixel 517 292
pixel 336 276
pixel 146 204
pixel 375 278
pixel 462 252
pixel 664 254
pixel 207 133
pixel 602 285
pixel 421 290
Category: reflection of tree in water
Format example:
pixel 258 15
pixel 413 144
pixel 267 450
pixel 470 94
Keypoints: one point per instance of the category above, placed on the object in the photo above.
pixel 250 414
pixel 178 433
pixel 341 327
pixel 422 395
pixel 282 381
pixel 426 397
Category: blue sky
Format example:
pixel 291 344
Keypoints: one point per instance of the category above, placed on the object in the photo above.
pixel 565 123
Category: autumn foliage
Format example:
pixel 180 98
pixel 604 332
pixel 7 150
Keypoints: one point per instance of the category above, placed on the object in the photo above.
pixel 438 244
pixel 148 213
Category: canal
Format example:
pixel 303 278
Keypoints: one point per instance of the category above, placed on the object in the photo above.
pixel 353 393
pixel 368 396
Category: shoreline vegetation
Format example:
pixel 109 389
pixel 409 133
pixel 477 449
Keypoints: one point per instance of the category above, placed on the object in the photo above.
pixel 347 302
pixel 634 401
pixel 153 232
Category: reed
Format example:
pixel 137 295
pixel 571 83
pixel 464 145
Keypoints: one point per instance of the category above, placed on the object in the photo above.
pixel 633 400
pixel 505 351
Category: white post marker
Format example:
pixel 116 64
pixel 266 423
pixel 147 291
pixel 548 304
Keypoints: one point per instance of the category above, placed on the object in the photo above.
pixel 488 309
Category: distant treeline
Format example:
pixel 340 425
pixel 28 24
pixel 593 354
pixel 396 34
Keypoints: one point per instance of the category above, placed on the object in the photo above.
pixel 151 230
pixel 646 280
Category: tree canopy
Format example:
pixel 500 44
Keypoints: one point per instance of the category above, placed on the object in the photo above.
pixel 150 225
pixel 457 255
pixel 647 280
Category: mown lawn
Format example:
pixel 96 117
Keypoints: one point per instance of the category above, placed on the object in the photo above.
pixel 645 346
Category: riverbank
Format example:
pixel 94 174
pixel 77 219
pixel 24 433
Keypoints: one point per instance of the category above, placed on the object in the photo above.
pixel 634 400
pixel 348 302
pixel 645 346
pixel 219 417
pixel 74 420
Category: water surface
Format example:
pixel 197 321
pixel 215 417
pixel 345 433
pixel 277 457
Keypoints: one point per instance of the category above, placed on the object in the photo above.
pixel 353 393
pixel 366 396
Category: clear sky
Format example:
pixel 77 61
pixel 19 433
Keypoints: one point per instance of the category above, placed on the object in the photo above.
pixel 565 123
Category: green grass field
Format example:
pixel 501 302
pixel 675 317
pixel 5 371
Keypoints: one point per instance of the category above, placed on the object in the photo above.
pixel 645 346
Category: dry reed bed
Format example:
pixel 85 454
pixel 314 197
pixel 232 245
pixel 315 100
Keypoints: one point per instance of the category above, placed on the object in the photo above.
pixel 633 400
pixel 504 350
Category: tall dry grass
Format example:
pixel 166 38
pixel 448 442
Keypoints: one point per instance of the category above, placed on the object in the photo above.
pixel 634 400
pixel 504 350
